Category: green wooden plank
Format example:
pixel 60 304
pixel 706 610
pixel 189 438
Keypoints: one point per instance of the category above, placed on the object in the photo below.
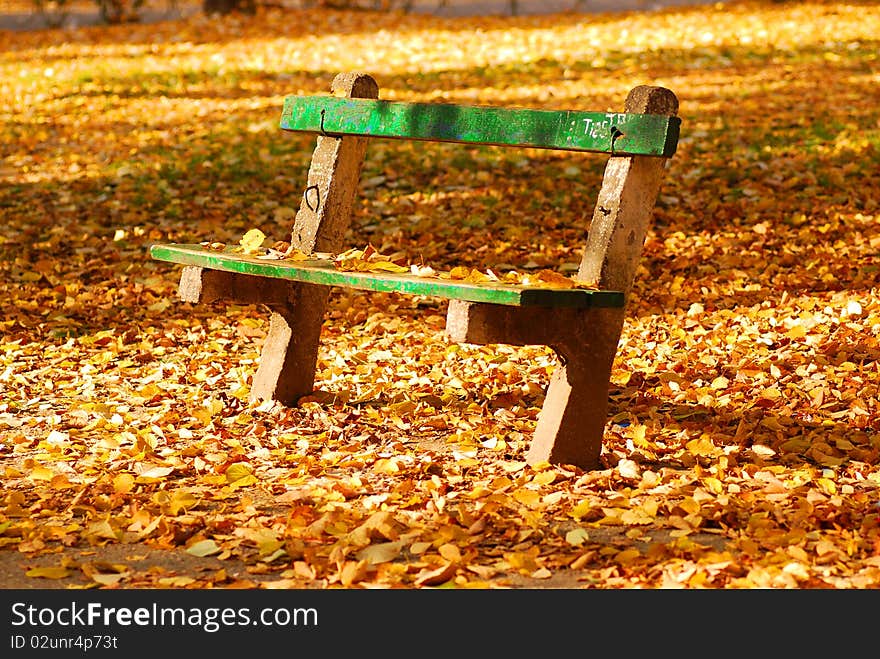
pixel 603 132
pixel 323 272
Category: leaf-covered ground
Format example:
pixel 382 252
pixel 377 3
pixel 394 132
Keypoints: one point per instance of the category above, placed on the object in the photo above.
pixel 743 444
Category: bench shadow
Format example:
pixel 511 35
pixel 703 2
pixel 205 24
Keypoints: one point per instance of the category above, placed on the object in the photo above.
pixel 764 434
pixel 752 431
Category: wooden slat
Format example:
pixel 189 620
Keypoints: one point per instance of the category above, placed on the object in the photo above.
pixel 323 272
pixel 612 132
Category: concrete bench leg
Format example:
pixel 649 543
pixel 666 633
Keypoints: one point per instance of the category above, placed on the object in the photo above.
pixel 290 352
pixel 571 424
pixel 287 363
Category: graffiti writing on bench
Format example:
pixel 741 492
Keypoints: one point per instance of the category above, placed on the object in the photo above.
pixel 600 129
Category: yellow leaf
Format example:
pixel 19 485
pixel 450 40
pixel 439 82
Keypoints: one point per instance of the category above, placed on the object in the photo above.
pixel 41 473
pixel 246 481
pixel 713 485
pixel 797 332
pixel 635 517
pixel 107 579
pixel 203 548
pixel 720 382
pixel 123 483
pixel 57 572
pixel 176 582
pixel 771 393
pixel 690 505
pixel 577 537
pixel 419 547
pixel 238 471
pixel 639 432
pixel 701 446
pixel 552 279
pixel 384 552
pixel 214 406
pixel 477 277
pixel 529 498
pixel 271 547
pixel 386 466
pixel 202 415
pixel 450 552
pixel 522 560
pixel 154 474
pixel 827 485
pixel 352 572
pixel 627 556
pixel 181 501
pixel 386 266
pixel 351 254
pixel 825 547
pixel 297 255
pixel 544 477
pixel 252 241
pixel 101 530
pixel 349 265
pixel 581 509
pixel 60 482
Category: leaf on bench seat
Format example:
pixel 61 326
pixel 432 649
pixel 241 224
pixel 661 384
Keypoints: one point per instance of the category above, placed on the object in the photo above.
pixel 472 276
pixel 458 272
pixel 550 279
pixel 367 260
pixel 251 242
pixel 541 279
pixel 283 250
pixel 422 270
pixel 358 265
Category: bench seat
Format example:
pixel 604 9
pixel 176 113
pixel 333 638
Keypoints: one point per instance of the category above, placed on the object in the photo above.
pixel 323 272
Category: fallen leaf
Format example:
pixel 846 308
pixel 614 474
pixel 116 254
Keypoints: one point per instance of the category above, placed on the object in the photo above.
pixel 48 572
pixel 203 548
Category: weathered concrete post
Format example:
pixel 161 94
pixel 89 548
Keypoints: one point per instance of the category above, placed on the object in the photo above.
pixel 571 423
pixel 287 362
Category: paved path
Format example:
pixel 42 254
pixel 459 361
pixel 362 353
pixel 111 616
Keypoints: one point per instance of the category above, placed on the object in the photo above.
pixel 497 7
pixel 25 20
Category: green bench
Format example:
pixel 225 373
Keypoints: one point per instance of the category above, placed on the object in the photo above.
pixel 581 322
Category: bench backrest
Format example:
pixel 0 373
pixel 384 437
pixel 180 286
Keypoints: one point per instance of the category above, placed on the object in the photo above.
pixel 615 133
